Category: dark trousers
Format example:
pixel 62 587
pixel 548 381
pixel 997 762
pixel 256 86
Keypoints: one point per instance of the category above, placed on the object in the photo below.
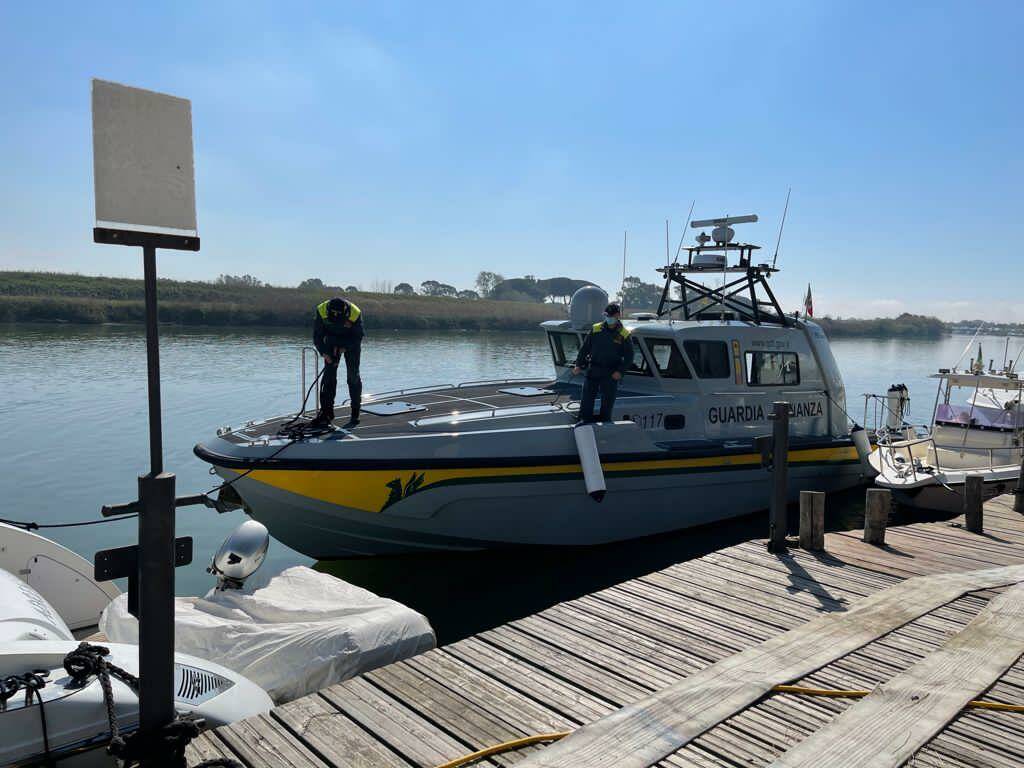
pixel 608 387
pixel 329 381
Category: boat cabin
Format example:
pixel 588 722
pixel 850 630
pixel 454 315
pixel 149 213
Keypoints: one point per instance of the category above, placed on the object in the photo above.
pixel 711 361
pixel 980 411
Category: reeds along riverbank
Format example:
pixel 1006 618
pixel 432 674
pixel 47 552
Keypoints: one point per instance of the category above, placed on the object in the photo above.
pixel 44 297
pixel 54 297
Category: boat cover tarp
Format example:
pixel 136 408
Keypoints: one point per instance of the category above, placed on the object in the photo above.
pixel 300 631
pixel 979 416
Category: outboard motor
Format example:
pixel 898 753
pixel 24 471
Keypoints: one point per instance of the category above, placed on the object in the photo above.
pixel 241 555
pixel 896 401
pixel 586 306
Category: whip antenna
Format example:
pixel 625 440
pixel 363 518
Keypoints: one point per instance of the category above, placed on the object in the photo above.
pixel 666 243
pixel 625 235
pixel 685 227
pixel 782 223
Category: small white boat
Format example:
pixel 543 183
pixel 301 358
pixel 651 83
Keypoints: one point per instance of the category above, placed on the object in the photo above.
pixel 980 433
pixel 46 715
pixel 291 633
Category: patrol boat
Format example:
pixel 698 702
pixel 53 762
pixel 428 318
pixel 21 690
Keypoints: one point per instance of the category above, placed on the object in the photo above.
pixel 498 463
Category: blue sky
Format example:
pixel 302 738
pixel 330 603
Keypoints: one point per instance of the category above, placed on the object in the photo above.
pixel 413 141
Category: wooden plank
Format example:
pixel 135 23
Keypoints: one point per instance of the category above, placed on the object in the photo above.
pixel 533 681
pixel 475 725
pixel 262 742
pixel 890 724
pixel 648 730
pixel 206 746
pixel 402 730
pixel 333 736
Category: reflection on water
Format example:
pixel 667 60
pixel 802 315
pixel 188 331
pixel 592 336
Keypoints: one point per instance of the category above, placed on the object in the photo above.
pixel 73 408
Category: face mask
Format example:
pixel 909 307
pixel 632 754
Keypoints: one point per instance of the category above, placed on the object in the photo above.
pixel 611 321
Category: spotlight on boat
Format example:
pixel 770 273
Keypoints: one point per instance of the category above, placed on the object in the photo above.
pixel 241 555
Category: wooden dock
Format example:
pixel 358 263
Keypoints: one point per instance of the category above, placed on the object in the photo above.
pixel 690 641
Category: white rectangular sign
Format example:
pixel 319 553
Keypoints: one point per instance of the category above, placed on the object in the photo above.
pixel 142 160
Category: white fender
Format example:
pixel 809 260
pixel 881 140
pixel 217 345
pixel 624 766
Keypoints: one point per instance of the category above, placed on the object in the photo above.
pixel 590 461
pixel 862 443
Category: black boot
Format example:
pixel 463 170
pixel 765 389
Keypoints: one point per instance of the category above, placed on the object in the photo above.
pixel 353 419
pixel 323 418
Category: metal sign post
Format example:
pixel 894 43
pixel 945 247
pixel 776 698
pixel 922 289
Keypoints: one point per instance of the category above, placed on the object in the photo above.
pixel 145 196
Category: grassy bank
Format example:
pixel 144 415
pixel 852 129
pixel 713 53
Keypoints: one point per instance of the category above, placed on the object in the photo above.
pixel 55 297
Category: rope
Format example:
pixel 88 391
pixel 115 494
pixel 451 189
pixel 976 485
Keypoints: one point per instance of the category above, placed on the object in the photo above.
pixel 32 683
pixel 296 433
pixel 31 526
pixel 89 660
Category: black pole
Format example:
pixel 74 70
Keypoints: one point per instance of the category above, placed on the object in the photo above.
pixel 156 547
pixel 780 461
pixel 156 449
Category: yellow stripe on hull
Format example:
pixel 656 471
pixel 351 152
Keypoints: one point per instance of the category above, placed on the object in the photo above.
pixel 369 490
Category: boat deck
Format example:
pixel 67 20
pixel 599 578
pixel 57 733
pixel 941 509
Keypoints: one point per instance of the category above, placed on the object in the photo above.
pixel 390 413
pixel 644 639
pixel 430 408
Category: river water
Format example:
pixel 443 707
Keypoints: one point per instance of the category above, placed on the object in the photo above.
pixel 73 412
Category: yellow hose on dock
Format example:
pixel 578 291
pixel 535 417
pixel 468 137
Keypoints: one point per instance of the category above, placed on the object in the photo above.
pixel 834 693
pixel 505 746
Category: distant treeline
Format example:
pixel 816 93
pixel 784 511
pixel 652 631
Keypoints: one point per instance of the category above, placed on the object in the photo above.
pixel 904 326
pixel 57 297
pixel 245 301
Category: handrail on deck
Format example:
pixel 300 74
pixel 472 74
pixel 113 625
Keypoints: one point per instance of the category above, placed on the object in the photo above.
pixel 908 445
pixel 316 373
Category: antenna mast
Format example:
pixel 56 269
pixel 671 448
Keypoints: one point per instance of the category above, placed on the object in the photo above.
pixel 625 235
pixel 781 225
pixel 685 227
pixel 666 243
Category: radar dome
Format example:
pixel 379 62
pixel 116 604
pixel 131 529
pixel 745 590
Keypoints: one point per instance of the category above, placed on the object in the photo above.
pixel 586 306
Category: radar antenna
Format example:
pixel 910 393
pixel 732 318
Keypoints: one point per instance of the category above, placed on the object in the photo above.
pixel 747 297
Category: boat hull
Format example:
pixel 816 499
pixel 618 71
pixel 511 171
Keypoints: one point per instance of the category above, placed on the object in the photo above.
pixel 334 513
pixel 947 497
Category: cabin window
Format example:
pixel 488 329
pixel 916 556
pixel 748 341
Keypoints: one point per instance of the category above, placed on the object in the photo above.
pixel 710 359
pixel 639 366
pixel 668 359
pixel 565 347
pixel 772 369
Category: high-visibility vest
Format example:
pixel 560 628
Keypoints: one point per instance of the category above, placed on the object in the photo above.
pixel 620 330
pixel 353 311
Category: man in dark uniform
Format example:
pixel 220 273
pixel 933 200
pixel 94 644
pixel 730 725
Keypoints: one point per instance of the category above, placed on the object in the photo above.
pixel 338 332
pixel 605 355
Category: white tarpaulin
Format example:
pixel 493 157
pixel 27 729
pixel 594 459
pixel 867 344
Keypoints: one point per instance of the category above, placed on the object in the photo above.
pixel 301 632
pixel 142 159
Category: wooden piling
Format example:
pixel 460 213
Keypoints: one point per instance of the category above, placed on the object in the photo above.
pixel 876 514
pixel 973 497
pixel 780 467
pixel 812 520
pixel 1018 493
